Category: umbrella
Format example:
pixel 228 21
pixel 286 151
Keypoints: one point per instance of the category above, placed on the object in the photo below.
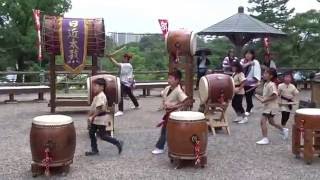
pixel 206 51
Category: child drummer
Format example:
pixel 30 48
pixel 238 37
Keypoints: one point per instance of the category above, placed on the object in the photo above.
pixel 173 99
pixel 287 97
pixel 270 103
pixel 98 117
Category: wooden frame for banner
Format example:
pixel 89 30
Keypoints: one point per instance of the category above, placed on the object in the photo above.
pixel 54 102
pixel 187 66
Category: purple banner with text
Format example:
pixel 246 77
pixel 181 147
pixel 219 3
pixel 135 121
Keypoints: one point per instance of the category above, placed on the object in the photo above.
pixel 73 43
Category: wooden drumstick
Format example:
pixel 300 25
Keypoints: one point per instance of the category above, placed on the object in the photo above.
pixel 115 52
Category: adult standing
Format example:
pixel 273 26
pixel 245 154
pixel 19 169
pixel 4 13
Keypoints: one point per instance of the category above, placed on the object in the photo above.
pixel 202 67
pixel 127 81
pixel 228 60
pixel 252 71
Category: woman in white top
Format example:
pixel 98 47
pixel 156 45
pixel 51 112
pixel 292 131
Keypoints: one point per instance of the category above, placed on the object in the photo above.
pixel 227 61
pixel 127 81
pixel 252 71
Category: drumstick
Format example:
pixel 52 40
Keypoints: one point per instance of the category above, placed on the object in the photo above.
pixel 115 52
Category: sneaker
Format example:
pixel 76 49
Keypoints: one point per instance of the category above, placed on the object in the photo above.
pixel 263 141
pixel 135 107
pixel 285 132
pixel 243 121
pixel 92 153
pixel 158 151
pixel 247 113
pixel 120 145
pixel 237 119
pixel 119 113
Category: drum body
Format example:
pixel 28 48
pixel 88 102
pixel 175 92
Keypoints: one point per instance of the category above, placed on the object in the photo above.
pixel 112 91
pixel 96 36
pixel 57 133
pixel 213 87
pixel 181 43
pixel 308 118
pixel 181 127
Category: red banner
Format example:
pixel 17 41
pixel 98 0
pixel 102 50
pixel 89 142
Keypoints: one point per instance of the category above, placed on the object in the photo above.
pixel 164 25
pixel 266 43
pixel 36 16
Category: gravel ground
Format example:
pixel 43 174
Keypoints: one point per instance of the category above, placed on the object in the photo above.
pixel 229 157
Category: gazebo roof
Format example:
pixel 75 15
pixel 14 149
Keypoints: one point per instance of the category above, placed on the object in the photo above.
pixel 241 23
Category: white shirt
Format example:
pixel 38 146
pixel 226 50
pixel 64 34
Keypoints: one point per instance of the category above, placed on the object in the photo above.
pixel 254 73
pixel 203 63
pixel 126 74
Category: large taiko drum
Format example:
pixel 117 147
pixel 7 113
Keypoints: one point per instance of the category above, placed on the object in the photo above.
pixel 182 128
pixel 306 133
pixel 181 42
pixel 112 91
pixel 55 133
pixel 96 36
pixel 308 118
pixel 216 87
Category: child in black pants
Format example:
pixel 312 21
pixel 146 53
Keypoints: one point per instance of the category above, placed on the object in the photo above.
pixel 98 118
pixel 287 94
pixel 239 80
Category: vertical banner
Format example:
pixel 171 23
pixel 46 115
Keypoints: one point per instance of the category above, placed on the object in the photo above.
pixel 266 43
pixel 36 17
pixel 164 25
pixel 73 43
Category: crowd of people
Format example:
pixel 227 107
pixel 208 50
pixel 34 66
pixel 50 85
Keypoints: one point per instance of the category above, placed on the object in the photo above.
pixel 247 75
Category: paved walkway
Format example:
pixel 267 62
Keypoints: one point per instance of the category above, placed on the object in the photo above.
pixel 229 157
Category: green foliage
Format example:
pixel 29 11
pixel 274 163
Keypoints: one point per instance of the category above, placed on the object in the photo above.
pixel 219 48
pixel 17 27
pixel 301 46
pixel 274 12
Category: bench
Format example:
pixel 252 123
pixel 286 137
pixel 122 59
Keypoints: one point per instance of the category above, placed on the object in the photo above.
pixel 147 86
pixel 13 90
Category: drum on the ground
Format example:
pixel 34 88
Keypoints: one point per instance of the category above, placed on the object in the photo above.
pixel 183 128
pixel 306 133
pixel 112 91
pixel 181 43
pixel 308 118
pixel 55 133
pixel 215 88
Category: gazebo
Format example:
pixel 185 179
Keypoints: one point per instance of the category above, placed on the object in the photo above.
pixel 241 28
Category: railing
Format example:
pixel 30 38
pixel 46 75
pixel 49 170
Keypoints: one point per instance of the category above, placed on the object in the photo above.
pixel 64 78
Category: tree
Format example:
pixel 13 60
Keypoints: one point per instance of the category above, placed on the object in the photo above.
pixel 17 26
pixel 301 48
pixel 273 12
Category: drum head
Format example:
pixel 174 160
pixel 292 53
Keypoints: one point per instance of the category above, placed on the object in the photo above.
pixel 187 115
pixel 52 120
pixel 203 89
pixel 309 111
pixel 193 43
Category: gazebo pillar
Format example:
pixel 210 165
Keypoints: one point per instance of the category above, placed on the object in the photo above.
pixel 239 40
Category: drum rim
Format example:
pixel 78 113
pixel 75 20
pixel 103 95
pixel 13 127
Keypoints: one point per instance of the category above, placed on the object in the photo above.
pixel 193 39
pixel 206 85
pixel 198 116
pixel 310 111
pixel 53 120
pixel 166 41
pixel 89 89
pixel 119 89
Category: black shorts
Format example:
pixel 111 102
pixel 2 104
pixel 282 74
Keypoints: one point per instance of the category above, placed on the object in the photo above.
pixel 268 115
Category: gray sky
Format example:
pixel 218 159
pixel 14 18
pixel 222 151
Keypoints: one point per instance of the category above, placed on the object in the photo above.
pixel 141 16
